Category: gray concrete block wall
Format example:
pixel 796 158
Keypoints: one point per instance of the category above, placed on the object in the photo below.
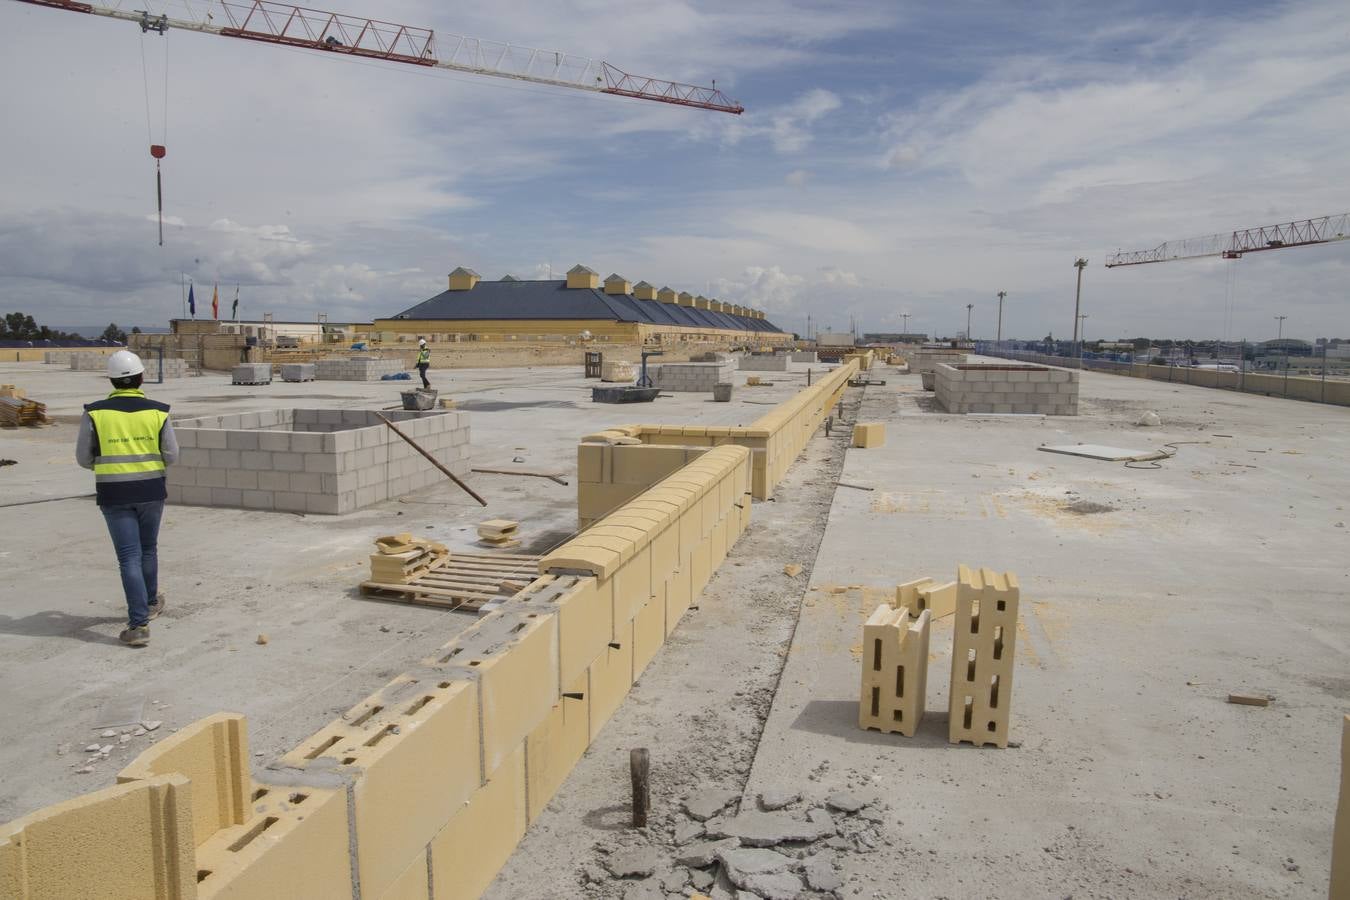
pixel 693 377
pixel 806 356
pixel 764 362
pixel 921 361
pixel 348 461
pixel 357 368
pixel 1007 389
pixel 98 362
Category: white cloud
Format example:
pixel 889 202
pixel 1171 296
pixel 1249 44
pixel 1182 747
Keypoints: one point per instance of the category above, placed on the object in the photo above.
pixel 797 177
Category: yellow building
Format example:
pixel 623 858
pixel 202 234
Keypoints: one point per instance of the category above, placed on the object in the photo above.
pixel 616 310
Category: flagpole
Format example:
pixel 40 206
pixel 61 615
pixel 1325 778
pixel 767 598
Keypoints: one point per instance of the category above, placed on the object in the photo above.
pixel 182 290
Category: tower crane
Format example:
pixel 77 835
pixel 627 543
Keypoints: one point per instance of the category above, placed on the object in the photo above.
pixel 330 32
pixel 1232 245
pixel 286 25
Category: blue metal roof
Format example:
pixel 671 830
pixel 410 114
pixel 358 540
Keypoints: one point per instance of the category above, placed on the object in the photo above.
pixel 555 300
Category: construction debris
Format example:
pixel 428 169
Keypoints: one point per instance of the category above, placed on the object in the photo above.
pixel 1249 699
pixel 402 558
pixel 499 533
pixel 792 570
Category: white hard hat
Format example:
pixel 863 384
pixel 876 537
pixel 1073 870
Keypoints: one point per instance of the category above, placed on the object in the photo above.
pixel 422 341
pixel 124 364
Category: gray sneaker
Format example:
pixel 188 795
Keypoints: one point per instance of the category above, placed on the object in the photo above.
pixel 135 637
pixel 157 606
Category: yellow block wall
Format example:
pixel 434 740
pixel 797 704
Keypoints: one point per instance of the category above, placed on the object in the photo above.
pixel 443 769
pixel 775 439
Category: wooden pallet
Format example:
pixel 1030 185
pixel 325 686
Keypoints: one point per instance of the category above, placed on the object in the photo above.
pixel 466 580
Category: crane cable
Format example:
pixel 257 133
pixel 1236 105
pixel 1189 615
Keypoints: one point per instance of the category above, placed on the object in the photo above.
pixel 156 150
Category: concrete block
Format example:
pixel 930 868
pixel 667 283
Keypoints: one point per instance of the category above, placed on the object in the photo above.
pixel 288 462
pixel 323 505
pixel 241 440
pixel 323 463
pixel 195 496
pixel 649 632
pixel 585 625
pixel 418 758
pixel 984 639
pixel 678 597
pixel 295 844
pixel 925 596
pixel 869 434
pixel 289 501
pixel 241 479
pixel 478 839
pixel 227 496
pixel 258 461
pixel 552 749
pixel 894 671
pixel 632 586
pixel 225 459
pixel 258 500
pixel 212 753
pixel 132 840
pixel 517 681
pixel 611 676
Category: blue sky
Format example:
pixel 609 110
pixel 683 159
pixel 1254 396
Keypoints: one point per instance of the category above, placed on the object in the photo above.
pixel 893 159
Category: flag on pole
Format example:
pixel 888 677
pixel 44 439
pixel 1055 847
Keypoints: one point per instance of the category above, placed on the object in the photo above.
pixel 234 310
pixel 215 302
pixel 192 302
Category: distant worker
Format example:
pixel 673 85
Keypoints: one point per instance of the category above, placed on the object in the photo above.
pixel 423 361
pixel 128 441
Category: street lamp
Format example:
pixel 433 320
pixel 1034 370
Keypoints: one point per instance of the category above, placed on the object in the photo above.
pixel 1082 334
pixel 969 307
pixel 905 327
pixel 999 336
pixel 1078 264
pixel 1280 333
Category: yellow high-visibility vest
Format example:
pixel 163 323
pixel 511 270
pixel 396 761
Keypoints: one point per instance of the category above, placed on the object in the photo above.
pixel 128 439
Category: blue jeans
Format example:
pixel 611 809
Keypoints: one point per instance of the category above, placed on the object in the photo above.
pixel 134 528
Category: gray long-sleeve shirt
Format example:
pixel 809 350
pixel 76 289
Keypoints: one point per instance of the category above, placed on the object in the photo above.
pixel 84 443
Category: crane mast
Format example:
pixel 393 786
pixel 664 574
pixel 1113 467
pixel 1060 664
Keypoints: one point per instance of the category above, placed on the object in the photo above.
pixel 296 26
pixel 1232 245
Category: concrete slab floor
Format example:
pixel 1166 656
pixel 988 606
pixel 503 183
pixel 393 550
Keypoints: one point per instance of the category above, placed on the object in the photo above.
pixel 1147 596
pixel 233 574
pixel 1129 781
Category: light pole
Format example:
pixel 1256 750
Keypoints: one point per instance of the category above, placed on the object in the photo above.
pixel 1078 264
pixel 1082 334
pixel 999 336
pixel 1280 333
pixel 969 307
pixel 905 327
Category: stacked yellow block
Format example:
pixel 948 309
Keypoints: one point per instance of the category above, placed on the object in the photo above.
pixel 984 639
pixel 894 671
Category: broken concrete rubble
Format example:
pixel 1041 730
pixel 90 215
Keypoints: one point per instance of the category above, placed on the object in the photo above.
pixel 709 803
pixel 767 829
pixel 777 798
pixel 698 856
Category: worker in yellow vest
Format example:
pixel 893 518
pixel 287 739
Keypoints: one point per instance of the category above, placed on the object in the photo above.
pixel 423 361
pixel 128 441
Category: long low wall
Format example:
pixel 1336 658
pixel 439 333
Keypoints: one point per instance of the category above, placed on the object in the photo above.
pixel 432 779
pixel 424 788
pixel 1315 390
pixel 774 439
